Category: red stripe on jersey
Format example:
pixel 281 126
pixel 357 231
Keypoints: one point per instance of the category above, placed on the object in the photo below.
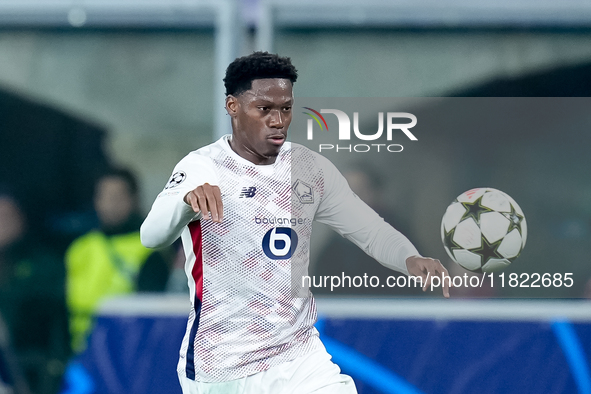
pixel 197 272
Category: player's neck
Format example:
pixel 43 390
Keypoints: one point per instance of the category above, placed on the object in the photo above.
pixel 248 154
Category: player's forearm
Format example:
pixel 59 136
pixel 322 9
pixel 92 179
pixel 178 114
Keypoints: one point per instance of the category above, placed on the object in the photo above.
pixel 385 244
pixel 391 248
pixel 165 222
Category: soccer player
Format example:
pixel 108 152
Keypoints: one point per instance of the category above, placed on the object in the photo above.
pixel 243 207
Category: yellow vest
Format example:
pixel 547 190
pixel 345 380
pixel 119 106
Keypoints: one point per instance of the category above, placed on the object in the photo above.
pixel 99 266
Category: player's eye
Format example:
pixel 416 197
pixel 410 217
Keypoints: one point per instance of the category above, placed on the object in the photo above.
pixel 263 108
pixel 287 109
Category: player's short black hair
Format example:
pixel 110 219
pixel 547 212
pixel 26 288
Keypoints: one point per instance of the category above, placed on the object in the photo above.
pixel 124 174
pixel 258 65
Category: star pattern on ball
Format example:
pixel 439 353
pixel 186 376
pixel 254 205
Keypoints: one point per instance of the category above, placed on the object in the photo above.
pixel 449 240
pixel 474 210
pixel 515 220
pixel 488 250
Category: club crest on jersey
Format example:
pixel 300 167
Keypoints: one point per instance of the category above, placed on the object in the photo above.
pixel 248 192
pixel 303 191
pixel 176 179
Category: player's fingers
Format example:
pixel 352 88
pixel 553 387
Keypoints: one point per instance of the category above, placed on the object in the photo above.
pixel 446 290
pixel 445 278
pixel 426 269
pixel 428 277
pixel 417 268
pixel 202 201
pixel 220 205
pixel 441 272
pixel 212 203
pixel 424 274
pixel 191 199
pixel 431 267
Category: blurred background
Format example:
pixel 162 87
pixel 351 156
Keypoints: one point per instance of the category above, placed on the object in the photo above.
pixel 93 89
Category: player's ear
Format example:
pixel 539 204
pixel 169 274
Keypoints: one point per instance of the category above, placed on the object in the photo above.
pixel 231 105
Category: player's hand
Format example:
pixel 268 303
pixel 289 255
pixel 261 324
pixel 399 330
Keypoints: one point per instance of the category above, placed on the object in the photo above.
pixel 427 268
pixel 206 199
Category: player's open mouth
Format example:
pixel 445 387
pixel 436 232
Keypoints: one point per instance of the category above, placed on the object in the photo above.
pixel 277 139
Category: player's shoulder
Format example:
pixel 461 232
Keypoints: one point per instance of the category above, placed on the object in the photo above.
pixel 208 151
pixel 204 155
pixel 305 155
pixel 303 151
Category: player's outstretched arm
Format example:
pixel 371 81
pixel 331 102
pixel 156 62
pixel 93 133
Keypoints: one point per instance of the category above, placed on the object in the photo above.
pixel 349 216
pixel 427 268
pixel 206 199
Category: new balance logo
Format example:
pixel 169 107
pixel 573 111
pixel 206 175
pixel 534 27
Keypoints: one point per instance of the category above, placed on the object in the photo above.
pixel 248 192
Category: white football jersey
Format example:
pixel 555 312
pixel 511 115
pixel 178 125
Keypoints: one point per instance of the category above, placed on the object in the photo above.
pixel 249 312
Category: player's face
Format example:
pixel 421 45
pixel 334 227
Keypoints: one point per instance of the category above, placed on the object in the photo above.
pixel 260 119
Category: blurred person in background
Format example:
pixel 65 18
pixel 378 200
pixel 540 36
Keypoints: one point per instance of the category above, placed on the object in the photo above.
pixel 110 260
pixel 339 256
pixel 177 281
pixel 32 300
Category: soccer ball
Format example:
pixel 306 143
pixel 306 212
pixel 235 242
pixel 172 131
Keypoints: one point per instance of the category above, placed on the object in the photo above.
pixel 483 230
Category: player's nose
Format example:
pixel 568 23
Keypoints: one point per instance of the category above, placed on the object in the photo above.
pixel 277 119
